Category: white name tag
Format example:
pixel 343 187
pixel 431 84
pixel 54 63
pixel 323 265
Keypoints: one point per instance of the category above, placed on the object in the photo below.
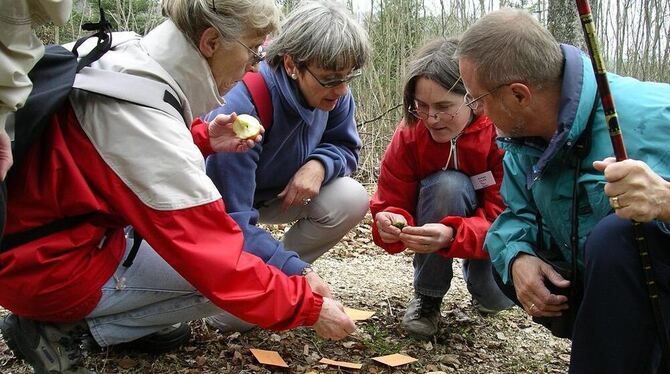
pixel 483 180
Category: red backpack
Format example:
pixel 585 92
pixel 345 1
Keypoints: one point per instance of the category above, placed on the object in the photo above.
pixel 260 97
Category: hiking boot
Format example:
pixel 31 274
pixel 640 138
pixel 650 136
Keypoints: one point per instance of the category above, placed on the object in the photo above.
pixel 162 341
pixel 48 348
pixel 422 316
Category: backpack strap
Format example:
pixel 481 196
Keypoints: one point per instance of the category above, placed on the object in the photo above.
pixel 260 97
pixel 132 88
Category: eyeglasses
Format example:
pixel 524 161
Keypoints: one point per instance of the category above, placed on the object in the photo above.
pixel 337 81
pixel 475 103
pixel 255 56
pixel 442 116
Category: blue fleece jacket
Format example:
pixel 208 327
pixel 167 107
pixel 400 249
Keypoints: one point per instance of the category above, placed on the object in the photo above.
pixel 298 134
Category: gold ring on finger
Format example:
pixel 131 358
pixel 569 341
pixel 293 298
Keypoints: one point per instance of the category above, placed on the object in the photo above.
pixel 614 202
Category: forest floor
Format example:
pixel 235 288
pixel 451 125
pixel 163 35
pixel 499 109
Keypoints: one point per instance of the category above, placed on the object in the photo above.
pixel 361 276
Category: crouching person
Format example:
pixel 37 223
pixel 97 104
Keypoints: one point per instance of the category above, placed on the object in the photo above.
pixel 300 174
pixel 105 164
pixel 564 248
pixel 438 189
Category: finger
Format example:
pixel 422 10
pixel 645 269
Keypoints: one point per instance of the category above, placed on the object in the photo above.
pixel 601 165
pixel 224 119
pixel 555 278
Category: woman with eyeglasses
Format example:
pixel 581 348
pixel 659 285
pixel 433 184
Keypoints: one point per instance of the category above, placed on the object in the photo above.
pixel 105 164
pixel 438 189
pixel 300 172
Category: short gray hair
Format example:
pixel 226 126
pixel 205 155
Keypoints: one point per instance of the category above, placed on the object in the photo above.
pixel 434 61
pixel 231 18
pixel 510 45
pixel 321 33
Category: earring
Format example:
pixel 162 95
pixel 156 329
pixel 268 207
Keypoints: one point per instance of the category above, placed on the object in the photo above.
pixel 294 76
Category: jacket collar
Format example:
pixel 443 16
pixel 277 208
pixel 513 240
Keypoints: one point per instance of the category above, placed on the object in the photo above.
pixel 575 104
pixel 290 93
pixel 168 46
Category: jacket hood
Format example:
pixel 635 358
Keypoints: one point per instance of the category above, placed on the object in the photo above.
pixel 168 46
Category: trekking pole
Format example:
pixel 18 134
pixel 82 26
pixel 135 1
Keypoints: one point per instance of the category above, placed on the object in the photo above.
pixel 616 137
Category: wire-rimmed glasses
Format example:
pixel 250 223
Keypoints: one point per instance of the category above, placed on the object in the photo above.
pixel 337 81
pixel 254 56
pixel 475 103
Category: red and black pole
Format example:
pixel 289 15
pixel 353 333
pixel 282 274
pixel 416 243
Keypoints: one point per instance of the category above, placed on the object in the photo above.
pixel 620 153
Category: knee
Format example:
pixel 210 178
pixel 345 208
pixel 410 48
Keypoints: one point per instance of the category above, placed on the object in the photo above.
pixel 447 183
pixel 349 198
pixel 610 243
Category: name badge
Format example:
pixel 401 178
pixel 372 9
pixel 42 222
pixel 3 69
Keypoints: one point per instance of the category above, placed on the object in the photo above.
pixel 483 180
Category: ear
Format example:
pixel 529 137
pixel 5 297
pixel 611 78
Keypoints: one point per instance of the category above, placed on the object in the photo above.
pixel 521 94
pixel 289 65
pixel 209 42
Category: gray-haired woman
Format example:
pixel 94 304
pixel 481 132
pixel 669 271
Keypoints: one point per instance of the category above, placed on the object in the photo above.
pixel 107 164
pixel 301 171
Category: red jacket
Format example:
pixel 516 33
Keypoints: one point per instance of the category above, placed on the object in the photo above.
pixel 413 155
pixel 58 278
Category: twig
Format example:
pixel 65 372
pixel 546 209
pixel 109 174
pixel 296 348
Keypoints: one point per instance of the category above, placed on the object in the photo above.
pixel 380 116
pixel 388 302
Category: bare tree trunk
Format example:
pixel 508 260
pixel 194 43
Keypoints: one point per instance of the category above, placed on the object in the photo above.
pixel 563 22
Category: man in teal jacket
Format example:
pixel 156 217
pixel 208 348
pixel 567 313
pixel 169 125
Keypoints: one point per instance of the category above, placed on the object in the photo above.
pixel 542 98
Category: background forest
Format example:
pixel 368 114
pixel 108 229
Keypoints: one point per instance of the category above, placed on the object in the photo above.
pixel 632 33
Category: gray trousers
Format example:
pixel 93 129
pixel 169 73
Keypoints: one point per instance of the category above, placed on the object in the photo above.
pixel 450 193
pixel 339 207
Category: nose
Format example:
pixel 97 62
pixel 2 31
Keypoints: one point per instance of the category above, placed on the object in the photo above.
pixel 432 118
pixel 341 89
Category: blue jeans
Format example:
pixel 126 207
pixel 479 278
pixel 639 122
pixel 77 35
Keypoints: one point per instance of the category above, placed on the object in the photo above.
pixel 145 298
pixel 450 193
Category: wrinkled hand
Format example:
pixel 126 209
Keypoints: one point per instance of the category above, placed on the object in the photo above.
pixel 428 238
pixel 6 159
pixel 333 323
pixel 222 138
pixel 387 232
pixel 305 184
pixel 528 275
pixel 318 285
pixel 641 194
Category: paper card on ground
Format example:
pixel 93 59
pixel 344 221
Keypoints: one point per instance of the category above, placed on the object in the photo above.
pixel 343 364
pixel 395 359
pixel 268 357
pixel 357 314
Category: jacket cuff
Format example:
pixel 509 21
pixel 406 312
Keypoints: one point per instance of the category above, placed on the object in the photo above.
pixel 327 163
pixel 293 266
pixel 200 133
pixel 314 314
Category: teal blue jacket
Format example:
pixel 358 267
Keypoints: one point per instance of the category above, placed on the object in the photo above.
pixel 538 177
